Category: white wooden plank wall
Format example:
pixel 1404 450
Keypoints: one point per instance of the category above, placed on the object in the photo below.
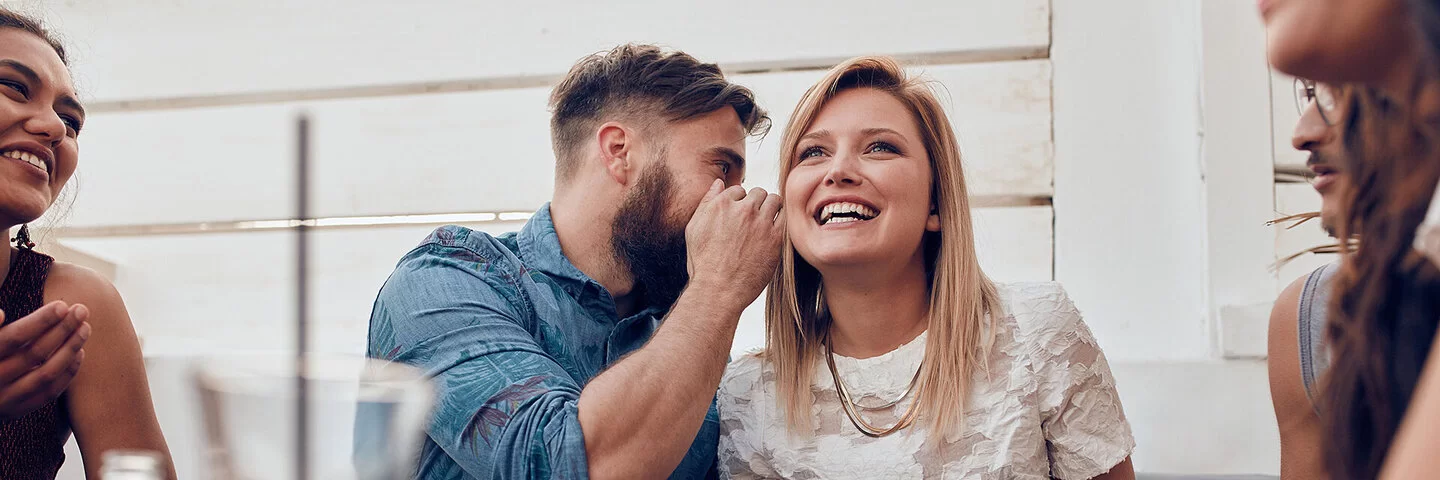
pixel 140 49
pixel 475 151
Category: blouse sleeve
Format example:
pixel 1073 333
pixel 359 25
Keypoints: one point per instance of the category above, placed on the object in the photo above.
pixel 741 428
pixel 1085 428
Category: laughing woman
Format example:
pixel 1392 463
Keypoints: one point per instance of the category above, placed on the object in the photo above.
pixel 889 353
pixel 107 405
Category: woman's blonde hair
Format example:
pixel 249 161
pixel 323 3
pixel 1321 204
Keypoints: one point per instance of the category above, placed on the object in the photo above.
pixel 961 296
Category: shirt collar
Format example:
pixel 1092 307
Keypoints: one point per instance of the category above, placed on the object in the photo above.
pixel 540 249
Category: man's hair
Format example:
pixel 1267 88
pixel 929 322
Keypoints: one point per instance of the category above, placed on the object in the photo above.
pixel 638 83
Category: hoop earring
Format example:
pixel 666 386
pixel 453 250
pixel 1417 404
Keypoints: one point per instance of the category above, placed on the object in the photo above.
pixel 22 238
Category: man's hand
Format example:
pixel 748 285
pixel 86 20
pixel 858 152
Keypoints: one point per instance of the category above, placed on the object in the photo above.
pixel 39 355
pixel 733 242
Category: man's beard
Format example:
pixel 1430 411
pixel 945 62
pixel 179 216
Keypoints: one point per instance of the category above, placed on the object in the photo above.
pixel 651 245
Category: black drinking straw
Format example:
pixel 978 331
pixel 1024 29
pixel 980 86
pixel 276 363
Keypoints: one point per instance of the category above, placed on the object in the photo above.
pixel 302 212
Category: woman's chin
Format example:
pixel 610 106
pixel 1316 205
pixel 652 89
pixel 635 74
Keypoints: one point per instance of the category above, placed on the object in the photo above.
pixel 842 258
pixel 23 209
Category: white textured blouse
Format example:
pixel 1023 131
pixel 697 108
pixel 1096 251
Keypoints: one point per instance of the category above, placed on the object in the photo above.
pixel 1047 407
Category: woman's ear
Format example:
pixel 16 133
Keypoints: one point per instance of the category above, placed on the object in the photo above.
pixel 932 223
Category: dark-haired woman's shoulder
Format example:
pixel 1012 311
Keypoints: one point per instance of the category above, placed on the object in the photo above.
pixel 77 284
pixel 109 401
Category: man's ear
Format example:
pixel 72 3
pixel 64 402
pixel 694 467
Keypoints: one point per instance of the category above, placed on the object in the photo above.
pixel 616 144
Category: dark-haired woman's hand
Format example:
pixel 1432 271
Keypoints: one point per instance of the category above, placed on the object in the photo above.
pixel 39 356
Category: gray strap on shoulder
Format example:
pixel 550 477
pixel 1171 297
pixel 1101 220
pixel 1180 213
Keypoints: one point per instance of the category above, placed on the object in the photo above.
pixel 1313 310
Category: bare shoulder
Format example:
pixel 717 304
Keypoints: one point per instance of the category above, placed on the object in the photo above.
pixel 76 284
pixel 1283 356
pixel 1285 322
pixel 109 321
pixel 1301 439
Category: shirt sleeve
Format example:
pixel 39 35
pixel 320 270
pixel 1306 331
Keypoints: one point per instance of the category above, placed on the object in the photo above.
pixel 504 408
pixel 1085 427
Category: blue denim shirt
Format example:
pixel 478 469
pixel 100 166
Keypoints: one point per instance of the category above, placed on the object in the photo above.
pixel 511 332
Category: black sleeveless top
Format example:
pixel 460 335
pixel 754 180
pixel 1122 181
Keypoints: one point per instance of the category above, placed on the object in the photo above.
pixel 32 446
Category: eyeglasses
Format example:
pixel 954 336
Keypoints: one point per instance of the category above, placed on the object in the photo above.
pixel 1308 92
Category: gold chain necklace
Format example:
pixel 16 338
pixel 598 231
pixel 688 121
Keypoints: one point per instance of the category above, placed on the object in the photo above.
pixel 849 405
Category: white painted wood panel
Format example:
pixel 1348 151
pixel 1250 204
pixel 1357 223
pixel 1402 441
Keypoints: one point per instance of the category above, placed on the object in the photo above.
pixel 1199 419
pixel 1285 115
pixel 1239 184
pixel 177 166
pixel 476 151
pixel 129 49
pixel 1130 203
pixel 487 151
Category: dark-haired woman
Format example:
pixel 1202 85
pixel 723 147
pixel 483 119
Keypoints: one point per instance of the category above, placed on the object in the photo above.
pixel 107 405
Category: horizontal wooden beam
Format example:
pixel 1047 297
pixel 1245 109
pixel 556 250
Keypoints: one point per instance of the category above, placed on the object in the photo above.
pixel 377 221
pixel 526 81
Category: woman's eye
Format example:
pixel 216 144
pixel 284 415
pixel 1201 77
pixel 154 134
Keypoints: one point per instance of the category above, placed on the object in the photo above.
pixel 882 147
pixel 811 152
pixel 72 123
pixel 17 87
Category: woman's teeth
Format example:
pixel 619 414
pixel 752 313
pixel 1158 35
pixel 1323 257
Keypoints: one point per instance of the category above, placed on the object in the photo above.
pixel 845 212
pixel 27 157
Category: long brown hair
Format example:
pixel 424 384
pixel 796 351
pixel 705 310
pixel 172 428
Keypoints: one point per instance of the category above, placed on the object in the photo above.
pixel 796 321
pixel 1388 297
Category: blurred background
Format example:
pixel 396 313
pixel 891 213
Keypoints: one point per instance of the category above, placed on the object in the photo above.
pixel 1127 148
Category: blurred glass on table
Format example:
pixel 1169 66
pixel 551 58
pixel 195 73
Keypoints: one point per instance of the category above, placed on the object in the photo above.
pixel 131 465
pixel 366 416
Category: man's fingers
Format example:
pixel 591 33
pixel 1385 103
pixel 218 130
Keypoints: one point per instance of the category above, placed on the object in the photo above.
pixel 770 209
pixel 756 198
pixel 715 188
pixel 736 193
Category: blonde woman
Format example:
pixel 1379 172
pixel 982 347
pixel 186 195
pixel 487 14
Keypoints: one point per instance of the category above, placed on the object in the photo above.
pixel 889 353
